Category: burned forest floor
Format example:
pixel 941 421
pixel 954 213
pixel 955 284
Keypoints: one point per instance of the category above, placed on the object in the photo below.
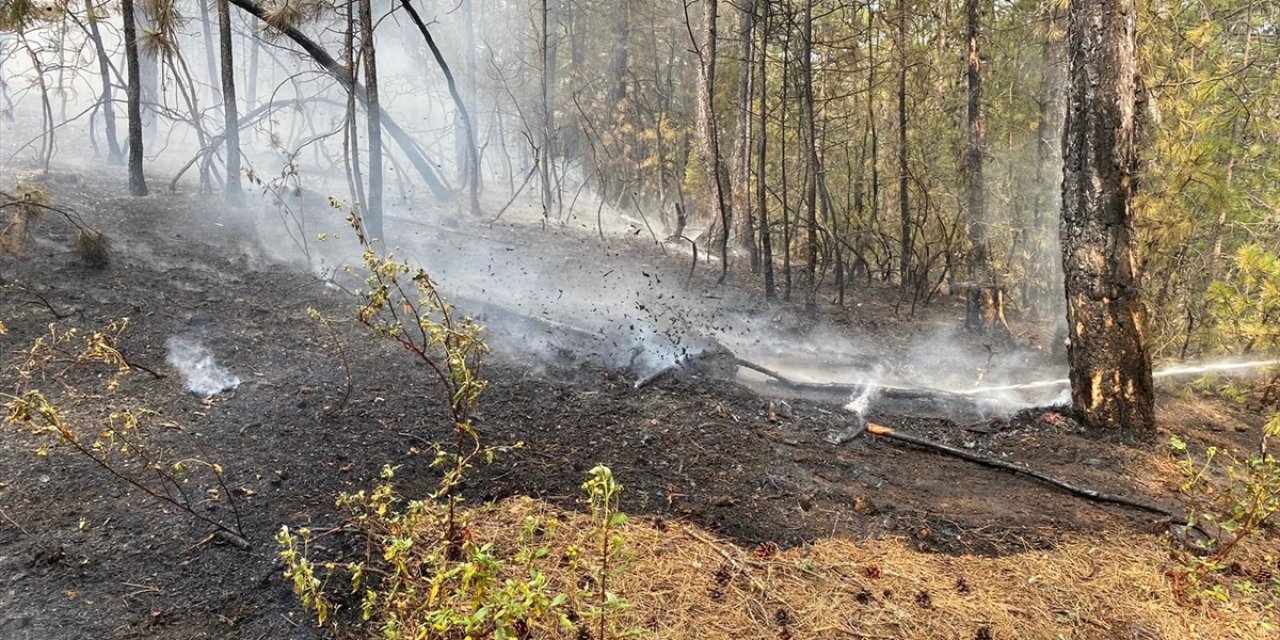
pixel 709 463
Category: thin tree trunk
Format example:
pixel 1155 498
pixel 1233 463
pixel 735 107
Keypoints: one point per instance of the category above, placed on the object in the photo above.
pixel 782 165
pixel 230 111
pixel 873 223
pixel 811 161
pixel 351 146
pixel 766 242
pixel 975 197
pixel 904 208
pixel 708 132
pixel 472 169
pixel 1048 188
pixel 1111 386
pixel 469 93
pixel 340 73
pixel 373 111
pixel 114 156
pixel 743 237
pixel 137 182
pixel 544 151
pixel 210 59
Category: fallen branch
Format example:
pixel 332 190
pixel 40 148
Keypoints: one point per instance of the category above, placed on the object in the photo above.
pixel 848 389
pixel 1089 494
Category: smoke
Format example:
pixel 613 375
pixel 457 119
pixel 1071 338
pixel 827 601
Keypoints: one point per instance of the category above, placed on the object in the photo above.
pixel 608 302
pixel 202 374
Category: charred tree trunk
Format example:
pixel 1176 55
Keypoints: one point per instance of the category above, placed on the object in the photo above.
pixel 137 181
pixel 743 237
pixel 469 91
pixel 230 112
pixel 619 58
pixel 782 165
pixel 343 75
pixel 873 222
pixel 472 168
pixel 708 132
pixel 766 241
pixel 548 122
pixel 975 197
pixel 114 156
pixel 812 165
pixel 1111 384
pixel 210 58
pixel 372 209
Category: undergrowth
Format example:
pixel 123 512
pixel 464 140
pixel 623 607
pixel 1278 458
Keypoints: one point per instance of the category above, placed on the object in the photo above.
pixel 422 573
pixel 1234 498
pixel 127 444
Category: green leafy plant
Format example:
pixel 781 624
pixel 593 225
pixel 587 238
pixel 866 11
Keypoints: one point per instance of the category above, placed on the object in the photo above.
pixel 606 519
pixel 401 303
pixel 125 446
pixel 415 584
pixel 1234 498
pixel 423 574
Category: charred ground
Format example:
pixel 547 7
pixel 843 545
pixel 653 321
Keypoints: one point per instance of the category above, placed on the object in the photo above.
pixel 83 556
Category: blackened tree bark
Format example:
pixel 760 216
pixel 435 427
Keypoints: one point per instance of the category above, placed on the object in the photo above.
pixel 975 197
pixel 373 207
pixel 766 242
pixel 417 157
pixel 230 112
pixel 743 237
pixel 206 29
pixel 548 114
pixel 471 170
pixel 114 155
pixel 1111 386
pixel 811 161
pixel 137 181
pixel 708 132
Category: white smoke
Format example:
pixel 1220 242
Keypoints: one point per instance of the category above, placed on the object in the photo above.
pixel 204 377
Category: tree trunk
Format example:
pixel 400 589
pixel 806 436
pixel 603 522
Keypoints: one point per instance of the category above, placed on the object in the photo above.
pixel 811 161
pixel 340 73
pixel 708 132
pixel 1111 386
pixel 372 209
pixel 782 163
pixel 975 197
pixel 904 208
pixel 469 93
pixel 230 111
pixel 114 156
pixel 1048 188
pixel 619 58
pixel 210 58
pixel 137 182
pixel 548 116
pixel 743 237
pixel 766 241
pixel 472 168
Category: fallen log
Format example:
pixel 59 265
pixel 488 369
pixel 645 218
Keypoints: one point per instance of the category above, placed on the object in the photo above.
pixel 1089 494
pixel 850 389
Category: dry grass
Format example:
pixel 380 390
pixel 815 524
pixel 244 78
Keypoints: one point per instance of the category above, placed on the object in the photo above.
pixel 17 235
pixel 682 582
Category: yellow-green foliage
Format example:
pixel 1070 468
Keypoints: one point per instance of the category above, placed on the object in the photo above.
pixel 1246 304
pixel 1234 496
